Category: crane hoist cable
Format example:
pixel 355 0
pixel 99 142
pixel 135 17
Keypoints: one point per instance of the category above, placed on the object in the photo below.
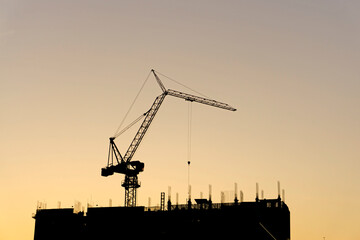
pixel 189 146
pixel 189 129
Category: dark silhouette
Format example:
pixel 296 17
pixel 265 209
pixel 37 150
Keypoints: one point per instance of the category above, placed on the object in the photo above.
pixel 262 219
pixel 117 163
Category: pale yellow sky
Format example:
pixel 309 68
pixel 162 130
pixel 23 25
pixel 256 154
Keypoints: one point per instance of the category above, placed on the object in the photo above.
pixel 69 71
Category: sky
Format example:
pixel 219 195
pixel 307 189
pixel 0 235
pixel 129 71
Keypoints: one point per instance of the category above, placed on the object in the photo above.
pixel 70 70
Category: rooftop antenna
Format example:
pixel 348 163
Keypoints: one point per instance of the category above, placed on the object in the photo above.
pixel 169 198
pixel 262 194
pixel 189 199
pixel 278 185
pixel 236 198
pixel 210 202
pixel 257 192
pixel 222 197
pixel 241 196
pixel 283 195
pixel 209 192
pixel 169 193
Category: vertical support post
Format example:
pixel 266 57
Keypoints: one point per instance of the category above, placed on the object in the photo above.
pixel 189 199
pixel 169 199
pixel 162 201
pixel 235 197
pixel 283 195
pixel 177 200
pixel 210 201
pixel 278 186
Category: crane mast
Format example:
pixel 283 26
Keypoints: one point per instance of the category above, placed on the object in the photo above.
pixel 119 164
pixel 124 164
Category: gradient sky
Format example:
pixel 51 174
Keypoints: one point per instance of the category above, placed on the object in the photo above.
pixel 69 71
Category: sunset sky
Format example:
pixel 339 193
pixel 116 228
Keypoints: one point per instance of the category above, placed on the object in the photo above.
pixel 69 71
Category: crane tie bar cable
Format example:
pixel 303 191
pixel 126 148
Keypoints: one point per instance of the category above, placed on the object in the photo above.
pixel 130 125
pixel 181 84
pixel 116 134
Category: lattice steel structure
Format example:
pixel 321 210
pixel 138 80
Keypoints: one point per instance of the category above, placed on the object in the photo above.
pixel 131 169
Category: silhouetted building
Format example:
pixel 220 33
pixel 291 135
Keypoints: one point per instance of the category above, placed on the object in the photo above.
pixel 262 219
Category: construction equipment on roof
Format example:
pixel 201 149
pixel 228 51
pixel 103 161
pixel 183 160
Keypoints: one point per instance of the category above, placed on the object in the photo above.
pixel 118 163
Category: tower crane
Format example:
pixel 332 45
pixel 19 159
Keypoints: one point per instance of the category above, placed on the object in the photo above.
pixel 123 164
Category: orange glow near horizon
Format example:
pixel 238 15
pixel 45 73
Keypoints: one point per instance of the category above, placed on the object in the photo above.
pixel 70 70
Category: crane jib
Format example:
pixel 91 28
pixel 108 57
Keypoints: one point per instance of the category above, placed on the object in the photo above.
pixel 193 98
